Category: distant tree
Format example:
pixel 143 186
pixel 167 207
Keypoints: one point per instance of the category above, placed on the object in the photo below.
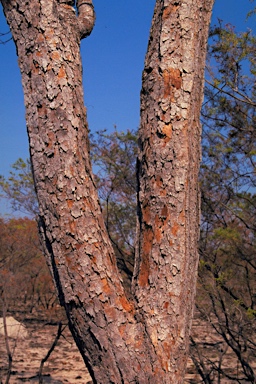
pixel 19 188
pixel 226 296
pixel 25 281
pixel 143 338
pixel 114 164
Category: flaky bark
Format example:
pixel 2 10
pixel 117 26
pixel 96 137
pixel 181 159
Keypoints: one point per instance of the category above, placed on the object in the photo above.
pixel 168 165
pixel 122 341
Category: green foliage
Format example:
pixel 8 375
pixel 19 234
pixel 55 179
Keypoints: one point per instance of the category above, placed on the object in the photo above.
pixel 252 12
pixel 114 161
pixel 226 296
pixel 228 114
pixel 19 188
pixel 251 313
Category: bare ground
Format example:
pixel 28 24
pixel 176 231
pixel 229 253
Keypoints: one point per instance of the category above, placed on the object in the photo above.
pixel 64 365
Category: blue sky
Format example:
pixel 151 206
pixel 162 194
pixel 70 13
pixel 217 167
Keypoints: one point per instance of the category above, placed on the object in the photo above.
pixel 113 59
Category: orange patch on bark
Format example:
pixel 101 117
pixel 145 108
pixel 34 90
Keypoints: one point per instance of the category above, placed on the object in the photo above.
pixel 175 77
pixel 148 239
pixel 167 130
pixel 40 38
pixel 167 348
pixel 62 73
pixel 175 229
pixel 125 304
pixel 49 34
pixel 88 203
pixel 163 192
pixel 72 171
pixel 167 86
pixel 146 214
pixel 160 222
pixel 122 329
pixel 55 55
pixel 78 246
pixel 169 10
pixel 158 231
pixel 165 365
pixel 159 184
pixel 93 259
pixel 72 227
pixel 146 250
pixel 105 286
pixel 144 274
pixel 138 343
pixel 172 79
pixel 70 203
pixel 159 181
pixel 67 7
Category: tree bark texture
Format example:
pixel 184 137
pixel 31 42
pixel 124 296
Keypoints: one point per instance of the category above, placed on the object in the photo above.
pixel 168 165
pixel 143 339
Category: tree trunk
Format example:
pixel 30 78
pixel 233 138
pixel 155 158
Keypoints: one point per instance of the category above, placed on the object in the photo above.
pixel 168 165
pixel 143 339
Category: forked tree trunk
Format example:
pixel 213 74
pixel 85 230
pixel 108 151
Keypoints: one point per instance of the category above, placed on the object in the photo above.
pixel 144 339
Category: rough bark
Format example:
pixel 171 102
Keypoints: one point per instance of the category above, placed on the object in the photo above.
pixel 168 165
pixel 140 340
